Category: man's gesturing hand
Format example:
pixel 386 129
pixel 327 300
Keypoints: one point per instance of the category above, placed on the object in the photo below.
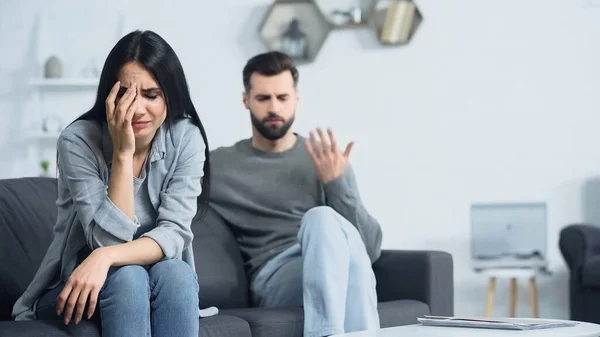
pixel 329 162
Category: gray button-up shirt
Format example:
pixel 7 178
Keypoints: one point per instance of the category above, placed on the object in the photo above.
pixel 86 216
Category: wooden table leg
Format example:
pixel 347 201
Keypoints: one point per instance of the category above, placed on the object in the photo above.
pixel 513 297
pixel 490 297
pixel 533 297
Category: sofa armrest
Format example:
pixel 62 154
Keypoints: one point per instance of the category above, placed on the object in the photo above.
pixel 426 276
pixel 578 243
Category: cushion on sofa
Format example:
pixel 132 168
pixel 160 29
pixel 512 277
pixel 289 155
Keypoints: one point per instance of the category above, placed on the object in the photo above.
pixel 48 328
pixel 224 326
pixel 27 215
pixel 217 326
pixel 219 263
pixel 289 321
pixel 266 322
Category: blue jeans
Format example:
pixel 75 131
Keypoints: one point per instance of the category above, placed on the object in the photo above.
pixel 158 300
pixel 328 272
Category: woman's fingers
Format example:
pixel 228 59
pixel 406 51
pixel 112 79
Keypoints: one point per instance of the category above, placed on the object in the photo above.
pixel 95 292
pixel 125 103
pixel 62 298
pixel 110 100
pixel 71 303
pixel 132 108
pixel 81 302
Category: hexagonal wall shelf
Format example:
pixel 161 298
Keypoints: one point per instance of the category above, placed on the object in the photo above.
pixel 395 21
pixel 295 27
pixel 346 13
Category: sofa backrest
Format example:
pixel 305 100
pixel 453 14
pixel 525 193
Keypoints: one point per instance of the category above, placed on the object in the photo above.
pixel 219 264
pixel 27 216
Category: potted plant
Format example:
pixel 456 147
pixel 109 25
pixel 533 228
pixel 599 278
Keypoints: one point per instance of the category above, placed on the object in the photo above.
pixel 45 168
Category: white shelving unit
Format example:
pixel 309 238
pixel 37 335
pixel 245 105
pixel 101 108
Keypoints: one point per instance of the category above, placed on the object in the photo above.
pixel 43 136
pixel 72 82
pixel 48 93
pixel 40 88
pixel 39 144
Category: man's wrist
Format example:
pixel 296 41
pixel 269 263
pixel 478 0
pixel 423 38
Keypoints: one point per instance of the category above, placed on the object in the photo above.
pixel 325 179
pixel 334 182
pixel 329 179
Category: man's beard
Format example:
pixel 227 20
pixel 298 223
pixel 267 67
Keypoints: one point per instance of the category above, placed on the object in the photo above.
pixel 272 131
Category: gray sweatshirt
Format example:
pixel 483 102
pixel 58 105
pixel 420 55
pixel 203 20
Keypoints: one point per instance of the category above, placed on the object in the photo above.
pixel 262 196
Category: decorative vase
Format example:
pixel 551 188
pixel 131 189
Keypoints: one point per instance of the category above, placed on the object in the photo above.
pixel 51 124
pixel 53 67
pixel 398 25
pixel 294 41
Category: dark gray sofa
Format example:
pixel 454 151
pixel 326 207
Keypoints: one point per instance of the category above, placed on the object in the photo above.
pixel 580 247
pixel 409 283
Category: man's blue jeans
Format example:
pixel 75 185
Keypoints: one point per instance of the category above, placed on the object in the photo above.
pixel 158 300
pixel 328 272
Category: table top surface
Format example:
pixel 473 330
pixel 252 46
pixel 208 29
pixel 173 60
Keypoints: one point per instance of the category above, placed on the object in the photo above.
pixel 582 329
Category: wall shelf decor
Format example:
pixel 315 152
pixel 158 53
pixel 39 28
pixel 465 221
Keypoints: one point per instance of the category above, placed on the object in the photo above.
pixel 343 14
pixel 299 28
pixel 295 27
pixel 59 90
pixel 590 4
pixel 395 21
pixel 40 142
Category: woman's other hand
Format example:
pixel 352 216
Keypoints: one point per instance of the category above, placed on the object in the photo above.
pixel 84 283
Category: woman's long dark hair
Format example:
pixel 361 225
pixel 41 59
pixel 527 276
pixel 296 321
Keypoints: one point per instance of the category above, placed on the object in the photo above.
pixel 153 53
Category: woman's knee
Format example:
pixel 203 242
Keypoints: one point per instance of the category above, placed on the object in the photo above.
pixel 175 277
pixel 127 284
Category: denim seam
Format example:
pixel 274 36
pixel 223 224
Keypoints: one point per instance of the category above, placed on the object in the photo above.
pixel 325 332
pixel 148 333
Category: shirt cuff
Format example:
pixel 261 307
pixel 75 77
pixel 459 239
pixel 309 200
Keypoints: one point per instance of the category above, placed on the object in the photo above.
pixel 164 238
pixel 338 186
pixel 116 222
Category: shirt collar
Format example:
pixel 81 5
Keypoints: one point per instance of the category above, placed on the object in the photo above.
pixel 157 150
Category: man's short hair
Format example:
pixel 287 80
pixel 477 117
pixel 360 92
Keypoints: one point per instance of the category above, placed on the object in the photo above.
pixel 269 64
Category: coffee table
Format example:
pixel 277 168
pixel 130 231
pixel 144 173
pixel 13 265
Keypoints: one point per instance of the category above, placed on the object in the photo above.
pixel 582 329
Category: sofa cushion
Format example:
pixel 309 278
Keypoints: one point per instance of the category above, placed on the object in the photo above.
pixel 289 321
pixel 590 272
pixel 27 214
pixel 403 312
pixel 224 326
pixel 219 263
pixel 48 328
pixel 217 326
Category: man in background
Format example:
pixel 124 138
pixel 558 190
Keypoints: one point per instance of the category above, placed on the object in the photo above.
pixel 293 204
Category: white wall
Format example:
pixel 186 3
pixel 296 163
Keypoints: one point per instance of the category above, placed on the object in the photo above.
pixel 492 101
